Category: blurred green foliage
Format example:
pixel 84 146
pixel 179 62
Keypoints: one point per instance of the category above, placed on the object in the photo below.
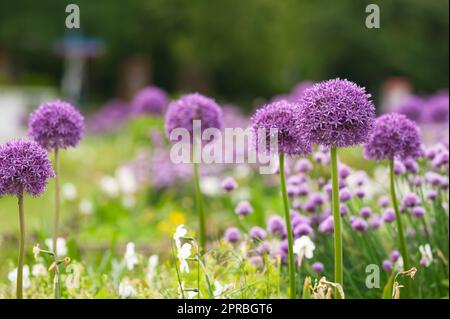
pixel 242 49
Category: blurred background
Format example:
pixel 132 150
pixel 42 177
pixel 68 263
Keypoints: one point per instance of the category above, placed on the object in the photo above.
pixel 234 50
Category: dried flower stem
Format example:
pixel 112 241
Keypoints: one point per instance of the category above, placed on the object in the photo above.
pixel 338 255
pixel 19 289
pixel 401 236
pixel 293 289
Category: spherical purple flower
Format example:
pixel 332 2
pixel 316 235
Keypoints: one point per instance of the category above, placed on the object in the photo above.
pixel 359 224
pixel 389 215
pixel 182 113
pixel 282 116
pixel 302 230
pixel 412 107
pixel 360 193
pixel 343 210
pixel 433 178
pixel 243 208
pixel 150 100
pixel 336 113
pixel 345 195
pixel 383 201
pixel 257 233
pixel 303 190
pixel 437 108
pixel 344 171
pixel 432 194
pixel 317 198
pixel 299 90
pixel 375 222
pixel 317 267
pixel 24 168
pixel 411 165
pixel 365 212
pixel 56 124
pixel 263 248
pixel 399 168
pixel 387 265
pixel 394 136
pixel 418 211
pixel 327 226
pixel 411 200
pixel 229 184
pixel 310 206
pixel 232 235
pixel 395 255
pixel 276 226
pixel 303 165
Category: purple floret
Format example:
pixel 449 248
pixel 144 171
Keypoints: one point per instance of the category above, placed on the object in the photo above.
pixel 150 100
pixel 257 233
pixel 24 168
pixel 243 208
pixel 56 124
pixel 318 267
pixel 232 235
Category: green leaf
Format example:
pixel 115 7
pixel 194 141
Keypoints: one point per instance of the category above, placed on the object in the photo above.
pixel 387 290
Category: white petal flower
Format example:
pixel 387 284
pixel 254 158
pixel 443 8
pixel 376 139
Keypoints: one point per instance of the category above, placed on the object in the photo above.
pixel 12 276
pixel 210 186
pixel 126 290
pixel 304 247
pixel 61 246
pixel 184 253
pixel 126 180
pixel 179 233
pixel 151 268
pixel 36 251
pixel 427 255
pixel 69 192
pixel 86 207
pixel 110 186
pixel 39 270
pixel 130 256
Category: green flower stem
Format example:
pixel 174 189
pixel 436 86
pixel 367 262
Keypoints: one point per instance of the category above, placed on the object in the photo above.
pixel 401 235
pixel 338 255
pixel 19 289
pixel 57 284
pixel 290 237
pixel 200 209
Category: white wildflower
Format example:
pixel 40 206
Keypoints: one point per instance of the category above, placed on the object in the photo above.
pixel 126 290
pixel 126 180
pixel 427 255
pixel 39 270
pixel 110 186
pixel 151 268
pixel 304 247
pixel 179 233
pixel 211 186
pixel 69 192
pixel 130 256
pixel 61 246
pixel 86 207
pixel 12 276
pixel 184 253
pixel 36 251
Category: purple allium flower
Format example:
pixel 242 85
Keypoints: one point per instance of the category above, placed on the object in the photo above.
pixel 302 230
pixel 327 226
pixel 282 116
pixel 317 267
pixel 411 200
pixel 343 210
pixel 257 233
pixel 387 265
pixel 412 107
pixel 24 168
pixel 321 158
pixel 296 179
pixel 365 212
pixel 441 159
pixel 328 188
pixel 411 165
pixel 433 178
pixel 389 215
pixel 299 219
pixel 56 124
pixel 110 117
pixel 399 168
pixel 182 112
pixel 395 255
pixel 383 201
pixel 437 108
pixel 394 136
pixel 360 193
pixel 344 171
pixel 310 206
pixel 263 248
pixel 299 90
pixel 336 113
pixel 229 184
pixel 292 190
pixel 243 208
pixel 303 165
pixel 276 226
pixel 418 211
pixel 150 100
pixel 232 235
pixel 303 190
pixel 375 222
pixel 432 194
pixel 317 198
pixel 345 195
pixel 359 224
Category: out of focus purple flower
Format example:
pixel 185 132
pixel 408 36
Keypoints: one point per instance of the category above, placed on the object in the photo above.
pixel 296 179
pixel 360 193
pixel 150 100
pixel 336 113
pixel 110 117
pixel 276 226
pixel 365 212
pixel 317 267
pixel 345 195
pixel 418 211
pixel 343 210
pixel 395 255
pixel 263 248
pixel 257 233
pixel 317 198
pixel 328 188
pixel 433 178
pixel 282 116
pixel 303 190
pixel 359 224
pixel 232 235
pixel 56 124
pixel 310 206
pixel 411 165
pixel 300 219
pixel 437 108
pixel 441 159
pixel 24 168
pixel 321 158
pixel 302 230
pixel 411 200
pixel 375 222
pixel 344 171
pixel 432 194
pixel 399 168
pixel 299 90
pixel 389 215
pixel 182 112
pixel 303 165
pixel 387 265
pixel 327 226
pixel 383 201
pixel 394 136
pixel 229 184
pixel 243 208
pixel 413 108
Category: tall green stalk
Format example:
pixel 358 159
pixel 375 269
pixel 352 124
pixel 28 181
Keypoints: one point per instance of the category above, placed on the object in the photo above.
pixel 290 237
pixel 338 255
pixel 200 209
pixel 401 235
pixel 19 289
pixel 57 284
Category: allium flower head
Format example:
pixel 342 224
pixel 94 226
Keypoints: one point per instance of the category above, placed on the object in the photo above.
pixel 317 267
pixel 56 124
pixel 412 107
pixel 232 235
pixel 182 112
pixel 336 113
pixel 24 167
pixel 283 116
pixel 437 108
pixel 150 100
pixel 394 136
